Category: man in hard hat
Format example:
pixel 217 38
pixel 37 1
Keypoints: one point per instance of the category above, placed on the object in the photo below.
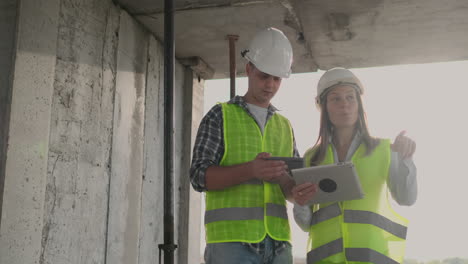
pixel 246 219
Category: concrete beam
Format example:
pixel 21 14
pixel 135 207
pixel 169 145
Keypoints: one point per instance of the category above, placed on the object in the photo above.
pixel 27 152
pixel 138 8
pixel 199 67
pixel 293 20
pixel 201 36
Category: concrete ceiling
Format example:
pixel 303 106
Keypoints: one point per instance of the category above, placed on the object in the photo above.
pixel 324 33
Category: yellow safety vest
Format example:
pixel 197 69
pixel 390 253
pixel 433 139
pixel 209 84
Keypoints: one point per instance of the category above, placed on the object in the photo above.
pixel 366 230
pixel 248 211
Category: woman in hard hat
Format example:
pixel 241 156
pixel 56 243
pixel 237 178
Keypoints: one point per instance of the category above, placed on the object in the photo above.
pixel 365 230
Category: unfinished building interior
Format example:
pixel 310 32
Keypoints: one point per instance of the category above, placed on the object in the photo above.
pixel 82 106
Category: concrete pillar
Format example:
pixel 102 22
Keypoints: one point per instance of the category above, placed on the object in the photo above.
pixel 152 221
pixel 190 206
pixel 127 144
pixel 183 135
pixel 27 152
pixel 196 197
pixel 8 13
pixel 80 141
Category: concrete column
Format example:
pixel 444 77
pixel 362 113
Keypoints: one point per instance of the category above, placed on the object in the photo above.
pixel 180 163
pixel 190 206
pixel 191 100
pixel 27 152
pixel 8 13
pixel 76 199
pixel 127 144
pixel 196 197
pixel 152 207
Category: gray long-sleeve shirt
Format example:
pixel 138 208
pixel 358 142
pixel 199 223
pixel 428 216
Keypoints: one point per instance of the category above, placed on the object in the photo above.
pixel 401 182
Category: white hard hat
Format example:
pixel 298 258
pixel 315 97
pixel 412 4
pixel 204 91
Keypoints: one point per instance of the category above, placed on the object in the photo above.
pixel 334 77
pixel 270 52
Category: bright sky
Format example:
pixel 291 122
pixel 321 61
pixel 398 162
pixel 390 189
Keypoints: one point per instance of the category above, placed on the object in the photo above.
pixel 429 101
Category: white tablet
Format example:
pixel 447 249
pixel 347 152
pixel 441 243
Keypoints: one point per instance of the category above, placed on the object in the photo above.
pixel 336 182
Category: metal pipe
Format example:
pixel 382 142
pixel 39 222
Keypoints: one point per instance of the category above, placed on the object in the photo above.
pixel 232 62
pixel 168 247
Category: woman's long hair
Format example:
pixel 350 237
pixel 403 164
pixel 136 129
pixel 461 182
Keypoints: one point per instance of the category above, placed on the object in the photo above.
pixel 326 131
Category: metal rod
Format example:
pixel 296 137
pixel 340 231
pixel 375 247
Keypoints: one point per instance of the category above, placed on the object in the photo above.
pixel 169 246
pixel 232 62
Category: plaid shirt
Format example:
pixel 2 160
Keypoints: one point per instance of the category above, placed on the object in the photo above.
pixel 209 150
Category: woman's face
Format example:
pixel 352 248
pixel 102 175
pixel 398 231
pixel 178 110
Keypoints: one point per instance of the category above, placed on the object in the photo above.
pixel 342 106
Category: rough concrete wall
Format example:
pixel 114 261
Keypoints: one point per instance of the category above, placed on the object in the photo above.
pixel 27 153
pixel 152 203
pixel 84 174
pixel 127 147
pixel 76 199
pixel 8 15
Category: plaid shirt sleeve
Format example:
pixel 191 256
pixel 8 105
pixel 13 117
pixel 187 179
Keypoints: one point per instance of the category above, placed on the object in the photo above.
pixel 209 147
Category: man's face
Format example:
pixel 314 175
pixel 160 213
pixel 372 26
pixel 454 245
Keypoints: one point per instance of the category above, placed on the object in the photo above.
pixel 262 86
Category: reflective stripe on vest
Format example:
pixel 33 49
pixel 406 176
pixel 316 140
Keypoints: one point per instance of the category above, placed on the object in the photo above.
pixel 277 210
pixel 325 213
pixel 352 254
pixel 249 213
pixel 359 217
pixel 368 255
pixel 325 251
pixel 366 217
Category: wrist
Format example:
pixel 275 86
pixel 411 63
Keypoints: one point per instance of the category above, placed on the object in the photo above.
pixel 286 180
pixel 248 171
